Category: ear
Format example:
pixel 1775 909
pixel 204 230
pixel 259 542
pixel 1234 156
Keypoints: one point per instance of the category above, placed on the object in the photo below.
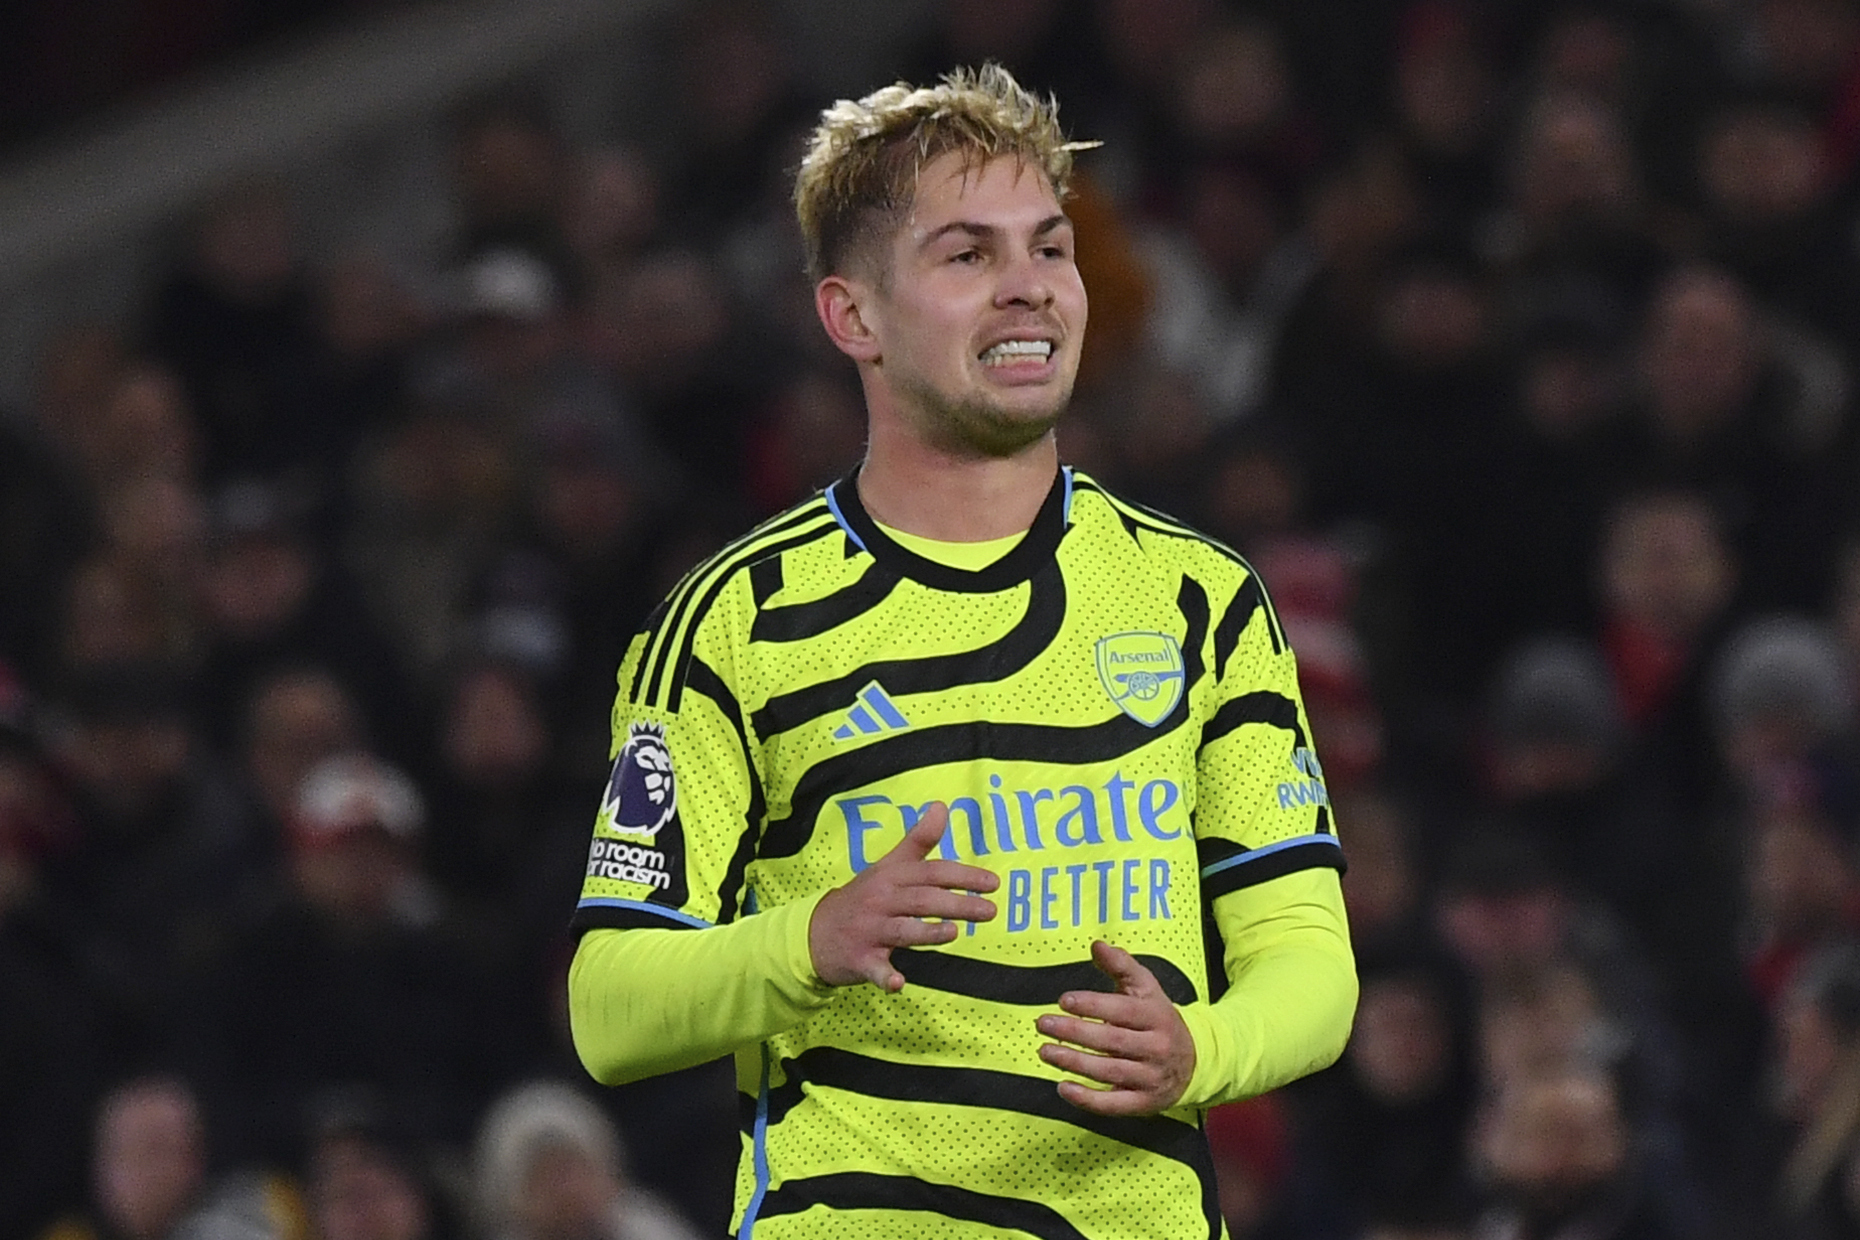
pixel 838 302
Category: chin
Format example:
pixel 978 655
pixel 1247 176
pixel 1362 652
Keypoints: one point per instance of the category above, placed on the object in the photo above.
pixel 983 425
pixel 991 431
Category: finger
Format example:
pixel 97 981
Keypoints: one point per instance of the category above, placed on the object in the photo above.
pixel 1110 1101
pixel 1125 969
pixel 936 902
pixel 1105 1069
pixel 954 875
pixel 921 838
pixel 915 932
pixel 1129 1011
pixel 882 975
pixel 1097 1036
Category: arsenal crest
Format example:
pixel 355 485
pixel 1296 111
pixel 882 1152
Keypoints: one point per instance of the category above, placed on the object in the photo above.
pixel 1143 674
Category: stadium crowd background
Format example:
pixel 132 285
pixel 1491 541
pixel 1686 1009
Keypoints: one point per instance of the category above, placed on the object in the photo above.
pixel 1514 343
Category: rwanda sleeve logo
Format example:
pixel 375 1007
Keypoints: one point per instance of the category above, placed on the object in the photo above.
pixel 1143 674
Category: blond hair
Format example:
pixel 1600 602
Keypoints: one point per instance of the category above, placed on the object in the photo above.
pixel 860 172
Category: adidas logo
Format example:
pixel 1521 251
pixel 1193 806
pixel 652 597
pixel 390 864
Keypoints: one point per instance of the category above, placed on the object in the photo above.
pixel 873 714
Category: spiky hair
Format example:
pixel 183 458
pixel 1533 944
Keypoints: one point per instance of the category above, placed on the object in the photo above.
pixel 859 175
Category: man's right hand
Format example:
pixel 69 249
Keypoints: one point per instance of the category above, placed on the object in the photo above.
pixel 854 927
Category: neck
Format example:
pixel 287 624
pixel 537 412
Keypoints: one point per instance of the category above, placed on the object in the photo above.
pixel 921 489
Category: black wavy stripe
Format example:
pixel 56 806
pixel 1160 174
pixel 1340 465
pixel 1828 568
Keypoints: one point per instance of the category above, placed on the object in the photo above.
pixel 1261 706
pixel 1192 601
pixel 981 1087
pixel 765 578
pixel 1026 558
pixel 1018 647
pixel 1210 851
pixel 1312 855
pixel 667 662
pixel 1247 600
pixel 864 1190
pixel 1003 742
pixel 702 678
pixel 675 688
pixel 1029 985
pixel 673 607
pixel 953 742
pixel 1214 948
pixel 1159 522
pixel 600 918
pixel 650 627
pixel 802 621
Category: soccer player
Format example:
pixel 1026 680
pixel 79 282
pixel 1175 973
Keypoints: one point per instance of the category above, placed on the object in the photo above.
pixel 973 808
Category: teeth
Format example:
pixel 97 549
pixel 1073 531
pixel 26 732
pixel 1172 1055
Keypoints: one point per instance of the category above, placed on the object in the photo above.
pixel 1009 350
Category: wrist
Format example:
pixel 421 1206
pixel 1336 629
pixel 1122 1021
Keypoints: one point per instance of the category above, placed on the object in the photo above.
pixel 803 957
pixel 1206 1079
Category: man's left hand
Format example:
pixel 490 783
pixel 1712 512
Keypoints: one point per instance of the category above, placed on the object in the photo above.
pixel 1134 1041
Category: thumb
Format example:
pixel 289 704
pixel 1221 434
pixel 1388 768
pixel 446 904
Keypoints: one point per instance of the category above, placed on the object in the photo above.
pixel 1122 967
pixel 923 835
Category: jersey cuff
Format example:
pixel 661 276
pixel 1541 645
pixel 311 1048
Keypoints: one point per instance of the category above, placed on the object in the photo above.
pixel 797 952
pixel 1250 866
pixel 612 913
pixel 1216 1050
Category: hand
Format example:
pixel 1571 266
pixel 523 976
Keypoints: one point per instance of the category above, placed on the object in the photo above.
pixel 854 927
pixel 1135 1041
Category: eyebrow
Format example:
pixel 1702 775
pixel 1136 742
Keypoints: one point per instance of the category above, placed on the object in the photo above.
pixel 978 230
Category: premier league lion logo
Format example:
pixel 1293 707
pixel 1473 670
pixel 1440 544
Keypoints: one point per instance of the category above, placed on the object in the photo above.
pixel 642 792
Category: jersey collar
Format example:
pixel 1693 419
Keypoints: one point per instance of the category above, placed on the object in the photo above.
pixel 1025 559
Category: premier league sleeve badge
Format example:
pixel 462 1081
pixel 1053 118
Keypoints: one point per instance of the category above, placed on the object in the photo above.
pixel 642 791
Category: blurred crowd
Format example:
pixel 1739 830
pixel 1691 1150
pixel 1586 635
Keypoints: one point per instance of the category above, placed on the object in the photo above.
pixel 1514 342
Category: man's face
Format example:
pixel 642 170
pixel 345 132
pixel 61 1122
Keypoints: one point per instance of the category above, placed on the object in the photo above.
pixel 979 321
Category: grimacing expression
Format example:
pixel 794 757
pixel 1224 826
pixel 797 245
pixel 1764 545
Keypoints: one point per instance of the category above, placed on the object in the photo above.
pixel 979 318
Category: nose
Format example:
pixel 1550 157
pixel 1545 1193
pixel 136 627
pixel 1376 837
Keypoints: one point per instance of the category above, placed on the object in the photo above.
pixel 1024 284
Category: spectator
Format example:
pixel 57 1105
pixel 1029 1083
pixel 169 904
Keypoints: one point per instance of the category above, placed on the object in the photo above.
pixel 1445 88
pixel 366 1180
pixel 1382 890
pixel 1818 1092
pixel 1559 455
pixel 152 1178
pixel 292 720
pixel 434 500
pixel 1575 211
pixel 550 1166
pixel 164 847
pixel 1560 1161
pixel 511 174
pixel 235 321
pixel 271 598
pixel 1771 214
pixel 1783 709
pixel 1383 1134
pixel 43 520
pixel 508 841
pixel 1727 409
pixel 1801 894
pixel 369 324
pixel 736 77
pixel 114 611
pixel 1666 577
pixel 349 977
pixel 147 428
pixel 49 992
pixel 615 209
